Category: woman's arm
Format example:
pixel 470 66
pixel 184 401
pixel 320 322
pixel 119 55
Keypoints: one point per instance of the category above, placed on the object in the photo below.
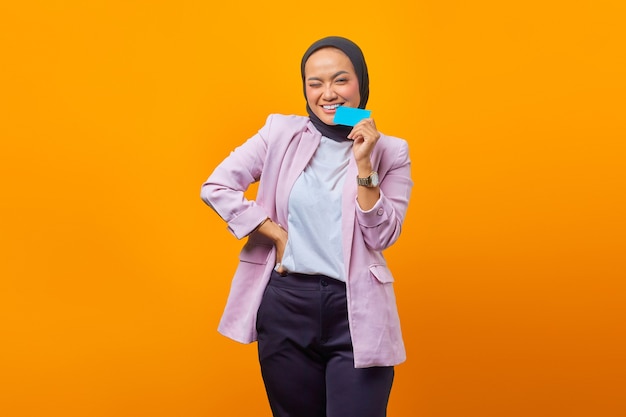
pixel 380 210
pixel 365 136
pixel 224 190
pixel 276 234
pixel 381 222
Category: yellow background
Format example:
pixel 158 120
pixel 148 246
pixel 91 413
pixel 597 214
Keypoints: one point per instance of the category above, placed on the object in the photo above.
pixel 511 268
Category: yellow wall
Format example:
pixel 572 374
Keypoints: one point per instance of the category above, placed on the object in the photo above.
pixel 510 272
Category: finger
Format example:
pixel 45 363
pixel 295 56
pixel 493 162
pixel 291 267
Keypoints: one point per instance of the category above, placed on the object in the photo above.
pixel 280 269
pixel 359 126
pixel 352 132
pixel 358 138
pixel 357 130
pixel 366 122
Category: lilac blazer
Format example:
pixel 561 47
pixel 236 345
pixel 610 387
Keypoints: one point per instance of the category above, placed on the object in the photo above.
pixel 276 156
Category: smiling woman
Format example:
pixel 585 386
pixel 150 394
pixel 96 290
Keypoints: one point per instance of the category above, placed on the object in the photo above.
pixel 509 274
pixel 330 82
pixel 312 285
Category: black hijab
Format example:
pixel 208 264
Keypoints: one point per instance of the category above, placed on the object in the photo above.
pixel 352 50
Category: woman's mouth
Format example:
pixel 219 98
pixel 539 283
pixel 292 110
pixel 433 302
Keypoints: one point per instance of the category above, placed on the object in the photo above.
pixel 330 107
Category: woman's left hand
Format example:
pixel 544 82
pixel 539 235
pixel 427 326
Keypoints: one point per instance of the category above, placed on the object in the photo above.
pixel 365 135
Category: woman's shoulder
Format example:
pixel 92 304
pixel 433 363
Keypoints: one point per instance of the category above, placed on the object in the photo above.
pixel 282 128
pixel 392 142
pixel 391 150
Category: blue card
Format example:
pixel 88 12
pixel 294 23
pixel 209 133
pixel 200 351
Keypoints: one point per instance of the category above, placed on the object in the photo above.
pixel 350 116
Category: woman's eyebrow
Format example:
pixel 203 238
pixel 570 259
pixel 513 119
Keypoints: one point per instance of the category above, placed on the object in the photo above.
pixel 335 75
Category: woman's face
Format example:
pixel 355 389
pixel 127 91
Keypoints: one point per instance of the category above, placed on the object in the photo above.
pixel 330 82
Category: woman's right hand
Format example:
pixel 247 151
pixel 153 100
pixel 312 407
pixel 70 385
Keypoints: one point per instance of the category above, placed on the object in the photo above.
pixel 278 235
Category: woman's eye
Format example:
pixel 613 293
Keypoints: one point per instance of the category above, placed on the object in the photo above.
pixel 314 85
pixel 341 80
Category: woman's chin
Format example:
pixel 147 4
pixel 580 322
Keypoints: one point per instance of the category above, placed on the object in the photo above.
pixel 328 119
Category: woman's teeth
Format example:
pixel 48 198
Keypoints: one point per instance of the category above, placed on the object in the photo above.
pixel 331 107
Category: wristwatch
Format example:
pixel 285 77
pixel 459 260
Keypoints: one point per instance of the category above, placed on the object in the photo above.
pixel 370 181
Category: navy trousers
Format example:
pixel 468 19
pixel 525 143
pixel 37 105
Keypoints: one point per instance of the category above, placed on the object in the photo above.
pixel 306 355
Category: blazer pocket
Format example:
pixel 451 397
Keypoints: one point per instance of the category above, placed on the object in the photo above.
pixel 255 254
pixel 381 273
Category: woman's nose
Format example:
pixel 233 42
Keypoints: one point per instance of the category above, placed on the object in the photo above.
pixel 329 93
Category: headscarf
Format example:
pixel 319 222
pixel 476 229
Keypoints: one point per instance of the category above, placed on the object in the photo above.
pixel 354 53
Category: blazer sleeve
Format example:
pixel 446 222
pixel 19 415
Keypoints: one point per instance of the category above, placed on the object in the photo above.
pixel 224 190
pixel 382 224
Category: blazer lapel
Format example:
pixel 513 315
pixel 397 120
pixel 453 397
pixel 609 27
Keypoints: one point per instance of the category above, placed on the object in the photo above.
pixel 297 156
pixel 348 213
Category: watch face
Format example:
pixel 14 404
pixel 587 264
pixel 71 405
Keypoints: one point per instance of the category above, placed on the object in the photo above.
pixel 374 179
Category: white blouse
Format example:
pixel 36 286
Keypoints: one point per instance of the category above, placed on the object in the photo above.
pixel 314 245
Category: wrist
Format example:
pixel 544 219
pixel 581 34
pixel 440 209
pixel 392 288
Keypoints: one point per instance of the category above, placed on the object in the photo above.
pixel 277 232
pixel 364 168
pixel 261 224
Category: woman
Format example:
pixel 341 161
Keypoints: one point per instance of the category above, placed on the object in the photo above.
pixel 312 285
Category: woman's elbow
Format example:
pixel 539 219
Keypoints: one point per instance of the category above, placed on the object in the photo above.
pixel 207 193
pixel 383 239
